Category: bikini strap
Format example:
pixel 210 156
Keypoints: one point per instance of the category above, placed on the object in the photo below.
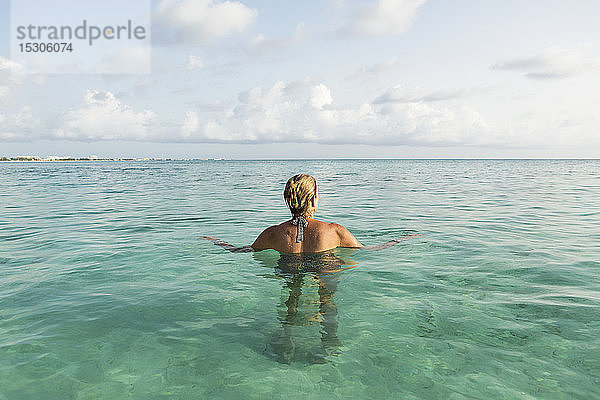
pixel 301 223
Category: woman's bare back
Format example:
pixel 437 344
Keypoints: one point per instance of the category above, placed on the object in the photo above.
pixel 318 236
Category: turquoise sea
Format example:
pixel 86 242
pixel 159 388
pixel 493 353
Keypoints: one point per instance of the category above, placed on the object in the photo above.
pixel 108 292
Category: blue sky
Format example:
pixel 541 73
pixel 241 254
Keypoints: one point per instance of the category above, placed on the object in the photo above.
pixel 328 78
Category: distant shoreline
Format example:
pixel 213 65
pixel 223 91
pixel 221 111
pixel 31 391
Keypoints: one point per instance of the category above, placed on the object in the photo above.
pixel 94 158
pixel 36 159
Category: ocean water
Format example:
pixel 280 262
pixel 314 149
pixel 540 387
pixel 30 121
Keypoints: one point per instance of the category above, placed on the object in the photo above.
pixel 108 292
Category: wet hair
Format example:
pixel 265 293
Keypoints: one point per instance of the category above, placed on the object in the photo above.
pixel 299 191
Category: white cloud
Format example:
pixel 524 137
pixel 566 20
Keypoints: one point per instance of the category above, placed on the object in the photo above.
pixel 262 43
pixel 19 126
pixel 308 113
pixel 320 96
pixel 552 63
pixel 198 21
pixel 566 128
pixel 397 94
pixel 370 78
pixel 385 17
pixel 5 95
pixel 11 75
pixel 388 65
pixel 190 123
pixel 401 94
pixel 10 72
pixel 194 63
pixel 101 116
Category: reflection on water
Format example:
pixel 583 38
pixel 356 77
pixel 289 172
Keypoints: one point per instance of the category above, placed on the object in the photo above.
pixel 303 275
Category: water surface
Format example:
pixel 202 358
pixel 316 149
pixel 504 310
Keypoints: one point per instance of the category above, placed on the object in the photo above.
pixel 108 292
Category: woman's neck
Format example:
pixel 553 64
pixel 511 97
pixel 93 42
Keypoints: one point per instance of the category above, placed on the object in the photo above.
pixel 305 216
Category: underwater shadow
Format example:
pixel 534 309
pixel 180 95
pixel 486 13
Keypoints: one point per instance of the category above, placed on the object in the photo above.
pixel 303 277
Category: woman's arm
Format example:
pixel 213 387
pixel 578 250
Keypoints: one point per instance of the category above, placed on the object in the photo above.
pixel 390 243
pixel 264 241
pixel 229 246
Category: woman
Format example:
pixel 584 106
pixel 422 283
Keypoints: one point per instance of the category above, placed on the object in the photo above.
pixel 305 246
pixel 302 233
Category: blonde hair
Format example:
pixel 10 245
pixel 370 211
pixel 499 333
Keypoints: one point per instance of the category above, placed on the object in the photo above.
pixel 298 193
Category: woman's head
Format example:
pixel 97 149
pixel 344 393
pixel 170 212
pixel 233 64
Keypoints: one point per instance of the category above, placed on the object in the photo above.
pixel 300 194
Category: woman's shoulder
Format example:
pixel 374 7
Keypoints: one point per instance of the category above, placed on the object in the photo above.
pixel 330 225
pixel 346 238
pixel 338 233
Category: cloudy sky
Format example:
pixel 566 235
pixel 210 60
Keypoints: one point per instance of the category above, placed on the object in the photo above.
pixel 327 78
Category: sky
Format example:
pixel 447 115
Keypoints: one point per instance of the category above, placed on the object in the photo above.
pixel 257 79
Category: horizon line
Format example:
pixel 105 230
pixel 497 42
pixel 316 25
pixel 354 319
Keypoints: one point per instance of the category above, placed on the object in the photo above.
pixel 138 159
